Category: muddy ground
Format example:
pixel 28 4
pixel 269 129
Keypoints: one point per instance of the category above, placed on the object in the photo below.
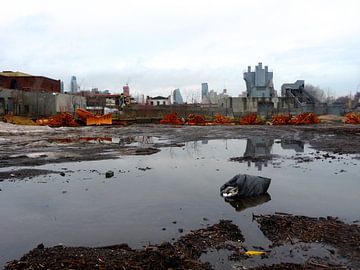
pixel 96 143
pixel 185 253
pixel 33 146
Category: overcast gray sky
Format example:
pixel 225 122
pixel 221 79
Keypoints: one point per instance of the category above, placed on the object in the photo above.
pixel 160 45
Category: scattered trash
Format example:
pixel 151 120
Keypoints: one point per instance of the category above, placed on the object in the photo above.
pixel 244 185
pixel 144 169
pixel 109 174
pixel 254 253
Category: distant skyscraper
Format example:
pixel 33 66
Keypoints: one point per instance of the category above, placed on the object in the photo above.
pixel 204 92
pixel 177 98
pixel 73 85
pixel 61 86
pixel 126 90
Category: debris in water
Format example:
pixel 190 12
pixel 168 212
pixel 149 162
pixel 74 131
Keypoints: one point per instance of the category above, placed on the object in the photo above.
pixel 109 174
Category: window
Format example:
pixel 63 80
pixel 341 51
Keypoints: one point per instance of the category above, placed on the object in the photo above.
pixel 164 103
pixel 158 103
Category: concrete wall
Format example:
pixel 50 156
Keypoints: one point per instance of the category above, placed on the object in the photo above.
pixel 37 103
pixel 239 106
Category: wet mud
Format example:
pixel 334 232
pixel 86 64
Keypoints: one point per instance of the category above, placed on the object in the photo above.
pixel 182 254
pixel 24 173
pixel 291 235
pixel 185 253
pixel 289 229
pixel 80 144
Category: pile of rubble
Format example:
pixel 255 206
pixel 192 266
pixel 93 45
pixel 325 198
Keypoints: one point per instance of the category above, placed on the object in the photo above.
pixel 171 118
pixel 307 118
pixel 58 120
pixel 251 119
pixel 352 118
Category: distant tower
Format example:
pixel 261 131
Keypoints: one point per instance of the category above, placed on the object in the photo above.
pixel 61 87
pixel 177 98
pixel 73 85
pixel 204 92
pixel 126 90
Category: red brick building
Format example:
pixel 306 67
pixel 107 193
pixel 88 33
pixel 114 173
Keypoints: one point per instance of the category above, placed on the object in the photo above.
pixel 23 81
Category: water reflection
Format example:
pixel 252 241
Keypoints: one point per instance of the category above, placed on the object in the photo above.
pixel 296 145
pixel 258 150
pixel 244 203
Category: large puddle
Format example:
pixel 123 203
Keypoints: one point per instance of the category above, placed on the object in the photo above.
pixel 159 197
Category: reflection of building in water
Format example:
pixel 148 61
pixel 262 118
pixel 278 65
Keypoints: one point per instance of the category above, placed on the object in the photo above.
pixel 298 146
pixel 258 150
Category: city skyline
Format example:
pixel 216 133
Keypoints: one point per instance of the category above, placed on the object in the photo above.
pixel 166 45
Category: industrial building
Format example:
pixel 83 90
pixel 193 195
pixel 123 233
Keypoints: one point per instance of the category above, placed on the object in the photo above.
pixel 259 83
pixel 261 97
pixel 25 94
pixel 158 100
pixel 22 81
pixel 37 103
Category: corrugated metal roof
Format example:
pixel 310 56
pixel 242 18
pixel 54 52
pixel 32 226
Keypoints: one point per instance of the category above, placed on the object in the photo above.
pixel 14 74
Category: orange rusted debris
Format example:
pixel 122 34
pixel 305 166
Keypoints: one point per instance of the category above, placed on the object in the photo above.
pixel 251 119
pixel 221 119
pixel 58 120
pixel 281 119
pixel 195 119
pixel 171 118
pixel 300 119
pixel 90 119
pixel 305 119
pixel 352 118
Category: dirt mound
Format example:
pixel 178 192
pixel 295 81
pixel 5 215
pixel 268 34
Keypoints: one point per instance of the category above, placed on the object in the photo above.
pixel 19 120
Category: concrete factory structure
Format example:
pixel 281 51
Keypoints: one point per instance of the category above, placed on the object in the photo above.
pixel 261 97
pixel 24 94
pixel 259 83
